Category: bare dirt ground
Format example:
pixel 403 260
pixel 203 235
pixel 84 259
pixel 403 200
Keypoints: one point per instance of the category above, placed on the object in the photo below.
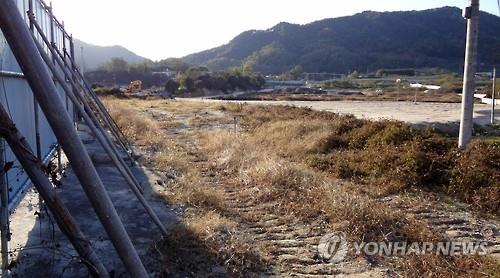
pixel 404 95
pixel 416 113
pixel 282 244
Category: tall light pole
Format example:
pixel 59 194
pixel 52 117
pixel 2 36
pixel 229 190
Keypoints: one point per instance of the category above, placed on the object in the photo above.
pixel 466 118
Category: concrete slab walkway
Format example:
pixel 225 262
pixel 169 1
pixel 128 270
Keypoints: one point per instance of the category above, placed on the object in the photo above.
pixel 39 249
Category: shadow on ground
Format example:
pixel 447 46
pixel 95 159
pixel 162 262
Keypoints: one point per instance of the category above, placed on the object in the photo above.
pixel 39 249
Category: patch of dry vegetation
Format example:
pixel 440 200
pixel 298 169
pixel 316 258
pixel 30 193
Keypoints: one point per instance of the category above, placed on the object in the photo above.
pixel 299 190
pixel 476 176
pixel 138 129
pixel 199 245
pixel 389 156
pixel 290 154
pixel 290 157
pixel 205 239
pixel 198 121
pixel 311 195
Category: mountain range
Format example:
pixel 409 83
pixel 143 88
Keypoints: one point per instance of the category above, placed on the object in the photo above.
pixel 95 56
pixel 365 42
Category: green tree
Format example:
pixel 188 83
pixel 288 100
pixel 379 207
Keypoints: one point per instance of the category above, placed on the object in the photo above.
pixel 171 86
pixel 196 72
pixel 354 74
pixel 117 65
pixel 174 64
pixel 141 68
pixel 296 72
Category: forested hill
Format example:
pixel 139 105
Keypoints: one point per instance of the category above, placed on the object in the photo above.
pixel 96 56
pixel 365 42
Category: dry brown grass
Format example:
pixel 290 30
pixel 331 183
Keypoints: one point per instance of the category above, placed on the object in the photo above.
pixel 309 195
pixel 170 124
pixel 224 238
pixel 274 154
pixel 205 240
pixel 196 195
pixel 432 265
pixel 139 129
pixel 288 156
pixel 476 176
pixel 197 247
pixel 302 191
pixel 198 121
pixel 389 156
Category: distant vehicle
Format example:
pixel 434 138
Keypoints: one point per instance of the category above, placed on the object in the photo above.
pixel 134 87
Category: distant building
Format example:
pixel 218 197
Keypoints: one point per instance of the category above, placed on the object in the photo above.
pixel 165 73
pixel 488 74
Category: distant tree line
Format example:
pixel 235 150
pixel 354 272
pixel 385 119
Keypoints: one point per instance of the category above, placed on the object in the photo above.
pixel 183 78
pixel 199 80
pixel 118 72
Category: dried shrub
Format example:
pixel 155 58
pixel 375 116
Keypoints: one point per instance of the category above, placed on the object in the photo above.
pixel 209 242
pixel 389 154
pixel 432 265
pixel 476 178
pixel 298 190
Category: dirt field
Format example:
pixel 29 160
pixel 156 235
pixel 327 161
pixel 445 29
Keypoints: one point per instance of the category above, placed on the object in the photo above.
pixel 406 95
pixel 416 113
pixel 248 210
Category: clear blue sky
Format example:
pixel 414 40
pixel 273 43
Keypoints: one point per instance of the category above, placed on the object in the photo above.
pixel 159 29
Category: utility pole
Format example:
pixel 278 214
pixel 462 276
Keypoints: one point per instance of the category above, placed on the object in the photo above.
pixel 493 96
pixel 471 13
pixel 398 81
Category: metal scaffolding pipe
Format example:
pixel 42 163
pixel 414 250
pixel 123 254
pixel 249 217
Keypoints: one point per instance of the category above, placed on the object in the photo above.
pixel 113 127
pixel 101 110
pixel 24 49
pixel 33 167
pixel 11 74
pixel 36 112
pixel 72 58
pixel 105 142
pixel 80 99
pixel 64 66
pixel 111 124
pixel 35 102
pixel 52 43
pixel 4 213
